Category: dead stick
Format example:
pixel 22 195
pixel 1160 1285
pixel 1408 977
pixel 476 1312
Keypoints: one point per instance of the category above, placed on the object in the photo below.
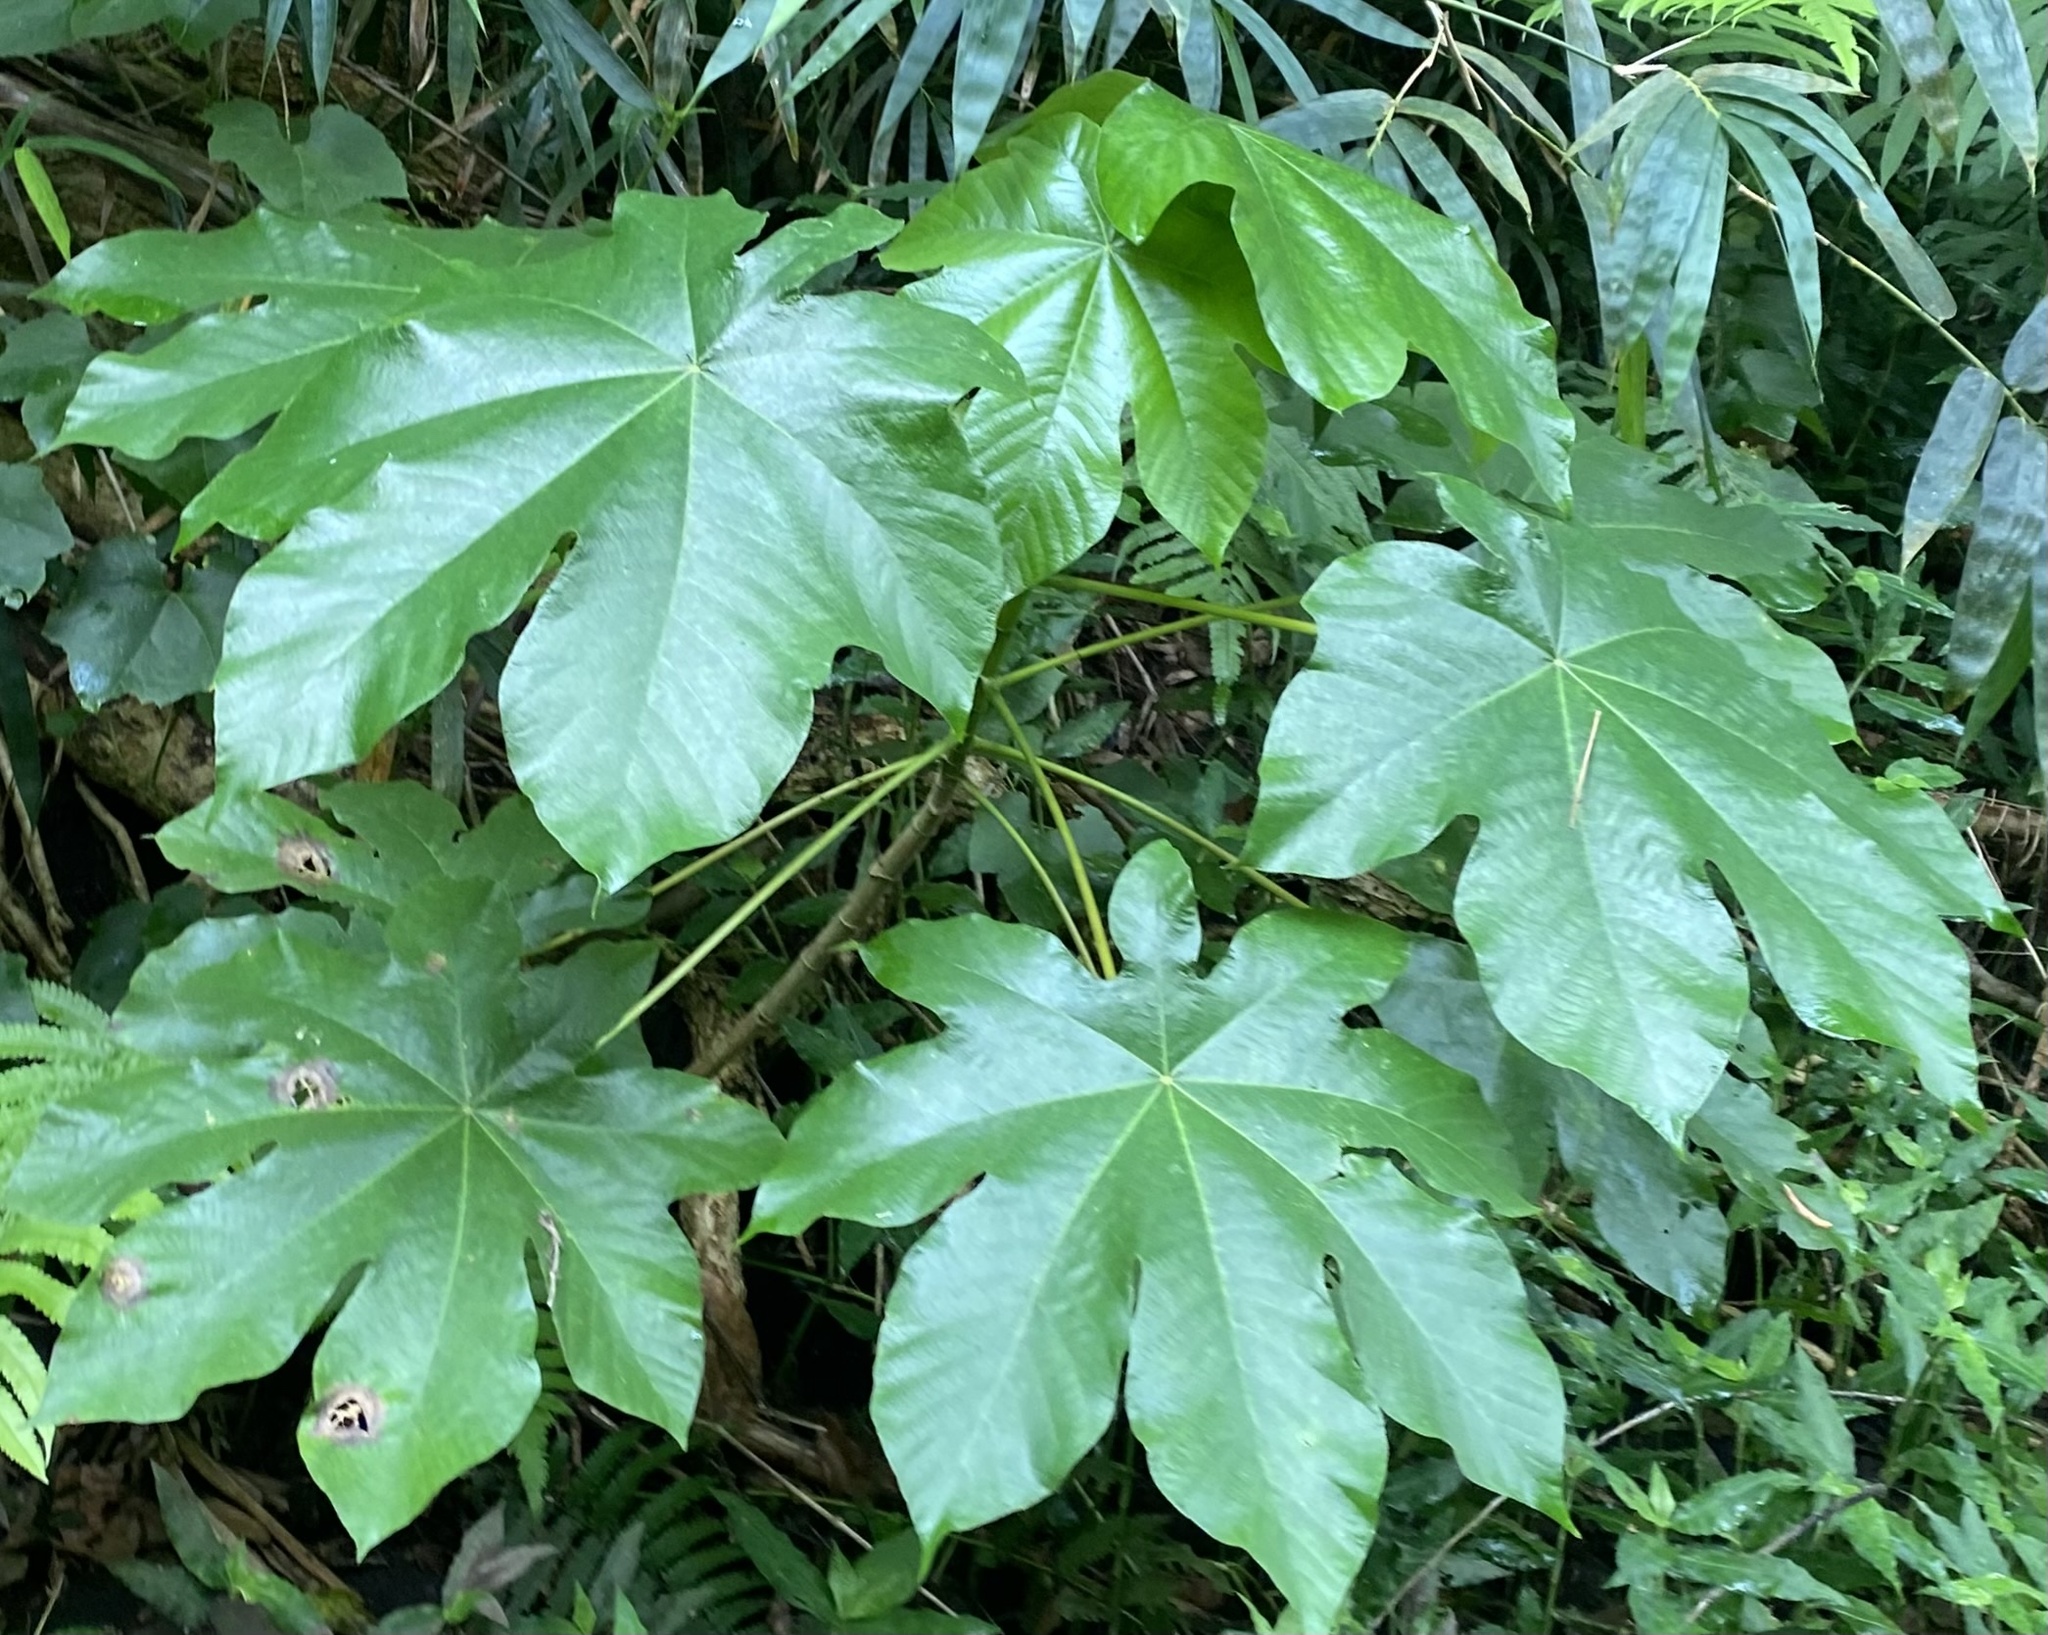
pixel 118 832
pixel 32 851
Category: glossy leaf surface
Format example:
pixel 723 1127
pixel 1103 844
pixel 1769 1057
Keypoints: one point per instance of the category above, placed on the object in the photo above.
pixel 1163 1170
pixel 752 481
pixel 1388 276
pixel 1615 729
pixel 1097 323
pixel 418 1107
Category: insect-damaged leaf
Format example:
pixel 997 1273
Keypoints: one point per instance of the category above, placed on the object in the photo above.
pixel 752 480
pixel 420 1111
pixel 1615 727
pixel 1163 1173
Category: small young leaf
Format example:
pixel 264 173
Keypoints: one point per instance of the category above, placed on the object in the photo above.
pixel 42 194
pixel 129 632
pixel 1097 322
pixel 1392 277
pixel 32 532
pixel 341 161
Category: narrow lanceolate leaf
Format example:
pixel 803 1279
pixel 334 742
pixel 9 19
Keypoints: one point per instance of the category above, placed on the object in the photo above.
pixel 420 1109
pixel 991 39
pixel 2025 365
pixel 1616 728
pixel 752 481
pixel 1909 25
pixel 1990 33
pixel 1389 278
pixel 1097 323
pixel 2008 552
pixel 1163 1175
pixel 1949 462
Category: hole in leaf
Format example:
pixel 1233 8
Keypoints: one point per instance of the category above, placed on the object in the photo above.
pixel 306 1086
pixel 123 1284
pixel 304 858
pixel 349 1414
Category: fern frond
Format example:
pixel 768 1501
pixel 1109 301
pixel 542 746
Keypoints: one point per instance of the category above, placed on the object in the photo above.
pixel 52 1240
pixel 32 1042
pixel 47 1294
pixel 73 1050
pixel 22 1378
pixel 64 1007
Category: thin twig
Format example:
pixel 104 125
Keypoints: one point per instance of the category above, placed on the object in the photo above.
pixel 1152 814
pixel 1792 1535
pixel 1408 1586
pixel 1038 869
pixel 2001 992
pixel 816 1506
pixel 233 1487
pixel 803 859
pixel 847 924
pixel 1105 959
pixel 32 851
pixel 1585 766
pixel 12 194
pixel 118 832
pixel 1248 614
pixel 20 920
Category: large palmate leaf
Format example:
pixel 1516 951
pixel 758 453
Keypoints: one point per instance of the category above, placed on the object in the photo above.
pixel 1615 728
pixel 1654 1203
pixel 753 480
pixel 1388 277
pixel 418 1109
pixel 1164 1172
pixel 322 285
pixel 1097 322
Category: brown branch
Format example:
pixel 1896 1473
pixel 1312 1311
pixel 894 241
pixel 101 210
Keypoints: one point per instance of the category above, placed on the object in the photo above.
pixel 2001 992
pixel 20 921
pixel 848 924
pixel 32 852
pixel 2021 830
pixel 732 1375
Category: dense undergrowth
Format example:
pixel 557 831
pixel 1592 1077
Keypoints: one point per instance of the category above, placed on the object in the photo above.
pixel 1192 879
